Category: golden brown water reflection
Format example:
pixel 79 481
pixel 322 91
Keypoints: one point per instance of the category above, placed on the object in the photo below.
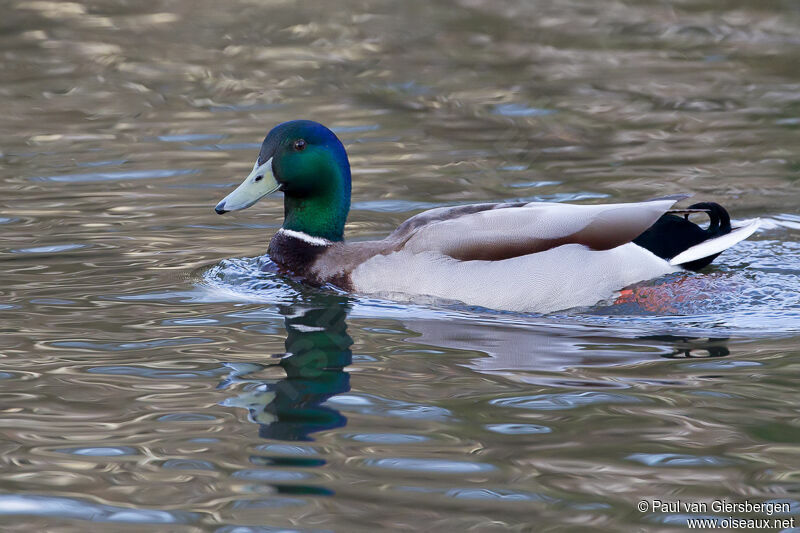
pixel 157 375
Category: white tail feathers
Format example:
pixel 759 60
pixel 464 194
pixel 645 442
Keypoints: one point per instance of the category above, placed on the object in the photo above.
pixel 716 245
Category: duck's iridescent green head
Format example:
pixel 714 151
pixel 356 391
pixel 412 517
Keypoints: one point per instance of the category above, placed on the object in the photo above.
pixel 306 161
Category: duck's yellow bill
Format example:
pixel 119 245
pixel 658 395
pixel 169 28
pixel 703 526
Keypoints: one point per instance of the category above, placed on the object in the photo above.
pixel 257 185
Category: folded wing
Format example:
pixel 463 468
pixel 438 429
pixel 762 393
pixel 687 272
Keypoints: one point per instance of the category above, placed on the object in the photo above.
pixel 499 232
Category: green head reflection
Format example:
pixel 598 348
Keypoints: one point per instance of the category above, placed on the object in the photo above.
pixel 317 351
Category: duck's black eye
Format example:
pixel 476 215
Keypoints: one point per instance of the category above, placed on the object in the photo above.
pixel 258 178
pixel 299 145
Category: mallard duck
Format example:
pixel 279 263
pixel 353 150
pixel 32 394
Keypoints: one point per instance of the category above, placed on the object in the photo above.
pixel 528 256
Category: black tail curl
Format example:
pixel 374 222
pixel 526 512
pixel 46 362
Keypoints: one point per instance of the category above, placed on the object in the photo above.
pixel 672 234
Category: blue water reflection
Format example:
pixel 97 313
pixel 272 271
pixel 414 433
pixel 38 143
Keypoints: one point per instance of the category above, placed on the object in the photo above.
pixel 73 508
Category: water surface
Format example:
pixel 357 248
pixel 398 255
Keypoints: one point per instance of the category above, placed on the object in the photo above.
pixel 158 374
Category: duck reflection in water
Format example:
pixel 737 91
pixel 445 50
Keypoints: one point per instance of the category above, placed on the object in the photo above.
pixel 522 350
pixel 694 347
pixel 317 350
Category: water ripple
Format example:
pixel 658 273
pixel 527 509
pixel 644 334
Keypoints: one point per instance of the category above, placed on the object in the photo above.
pixel 121 175
pixel 16 505
pixel 100 452
pixel 375 405
pixel 518 429
pixel 439 466
pixel 568 400
pixel 55 248
pixel 387 438
pixel 123 346
pixel 674 459
pixel 518 110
